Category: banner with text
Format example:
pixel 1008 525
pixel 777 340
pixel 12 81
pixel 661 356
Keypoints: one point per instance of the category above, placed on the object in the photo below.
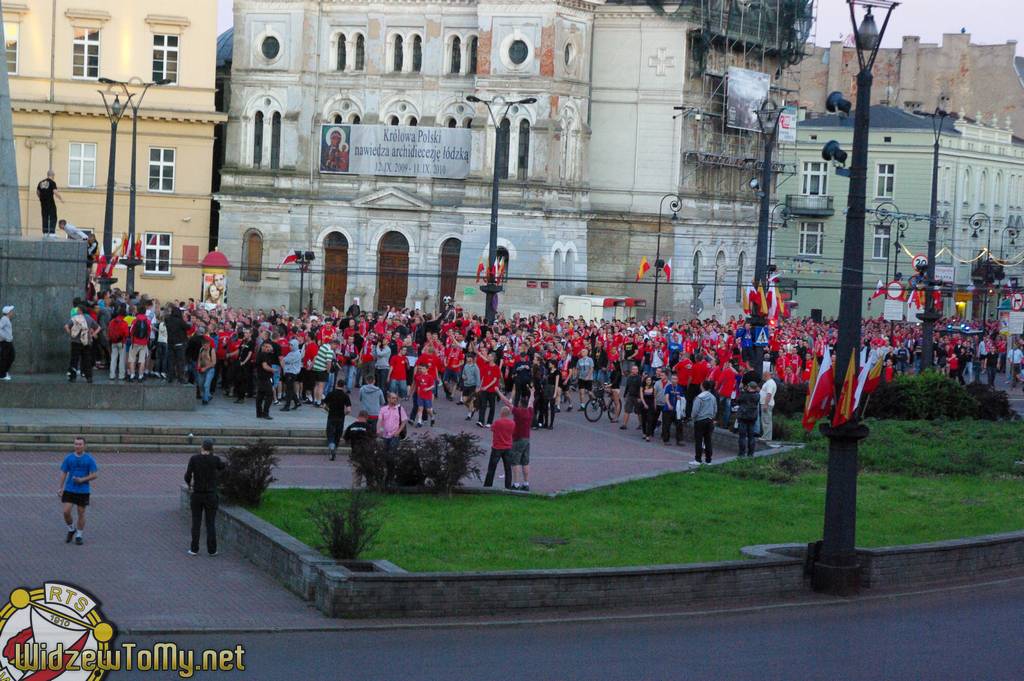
pixel 397 151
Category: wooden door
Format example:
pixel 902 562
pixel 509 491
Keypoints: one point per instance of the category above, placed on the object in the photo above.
pixel 392 271
pixel 450 252
pixel 335 271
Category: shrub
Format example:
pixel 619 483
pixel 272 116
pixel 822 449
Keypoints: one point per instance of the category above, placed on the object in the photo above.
pixel 370 463
pixel 781 430
pixel 447 459
pixel 790 399
pixel 992 404
pixel 926 396
pixel 249 473
pixel 408 471
pixel 346 529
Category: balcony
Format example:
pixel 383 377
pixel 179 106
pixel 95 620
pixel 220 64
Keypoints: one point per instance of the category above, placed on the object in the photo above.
pixel 809 206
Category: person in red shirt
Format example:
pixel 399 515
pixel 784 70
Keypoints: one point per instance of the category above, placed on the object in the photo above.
pixel 424 396
pixel 502 431
pixel 453 359
pixel 138 353
pixel 683 368
pixel 488 391
pixel 398 373
pixel 725 386
pixel 117 333
pixel 698 373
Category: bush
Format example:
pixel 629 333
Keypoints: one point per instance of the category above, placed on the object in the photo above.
pixel 249 473
pixel 992 404
pixel 370 464
pixel 925 396
pixel 346 529
pixel 790 399
pixel 447 459
pixel 781 430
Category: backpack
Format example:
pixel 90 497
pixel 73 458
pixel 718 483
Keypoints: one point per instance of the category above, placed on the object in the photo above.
pixel 140 329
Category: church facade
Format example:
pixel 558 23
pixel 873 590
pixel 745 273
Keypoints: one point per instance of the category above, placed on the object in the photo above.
pixel 589 171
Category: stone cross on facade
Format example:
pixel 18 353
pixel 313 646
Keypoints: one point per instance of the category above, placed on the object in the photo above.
pixel 661 62
pixel 10 209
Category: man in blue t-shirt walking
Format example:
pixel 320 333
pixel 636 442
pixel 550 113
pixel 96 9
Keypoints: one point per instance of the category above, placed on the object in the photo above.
pixel 77 471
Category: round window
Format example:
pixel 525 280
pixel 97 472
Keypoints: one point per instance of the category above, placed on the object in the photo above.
pixel 271 47
pixel 518 51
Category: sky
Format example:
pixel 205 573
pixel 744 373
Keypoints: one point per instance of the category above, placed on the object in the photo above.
pixel 988 21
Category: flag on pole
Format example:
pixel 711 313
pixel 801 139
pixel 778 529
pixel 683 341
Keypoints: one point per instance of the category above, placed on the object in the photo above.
pixel 668 270
pixel 138 248
pixel 112 264
pixel 820 393
pixel 879 290
pixel 749 299
pixel 847 396
pixel 643 269
pixel 124 246
pixel 762 300
pixel 500 274
pixel 479 270
pixel 289 259
pixel 873 375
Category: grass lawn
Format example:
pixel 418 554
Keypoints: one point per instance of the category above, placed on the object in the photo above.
pixel 920 482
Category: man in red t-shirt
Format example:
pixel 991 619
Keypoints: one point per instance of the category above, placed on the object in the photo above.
pixel 502 431
pixel 698 372
pixel 424 396
pixel 453 358
pixel 519 457
pixel 487 394
pixel 398 374
pixel 138 353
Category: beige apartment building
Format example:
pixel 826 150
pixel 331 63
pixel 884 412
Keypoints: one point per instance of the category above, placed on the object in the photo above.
pixel 57 52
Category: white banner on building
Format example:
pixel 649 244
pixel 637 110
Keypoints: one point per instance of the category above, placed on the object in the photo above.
pixel 787 125
pixel 944 274
pixel 395 151
pixel 747 91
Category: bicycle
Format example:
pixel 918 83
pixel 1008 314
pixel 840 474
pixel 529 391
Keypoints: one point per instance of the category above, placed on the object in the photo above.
pixel 601 403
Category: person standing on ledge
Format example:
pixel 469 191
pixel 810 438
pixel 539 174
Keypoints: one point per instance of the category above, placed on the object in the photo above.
pixel 46 190
pixel 6 342
pixel 77 471
pixel 203 477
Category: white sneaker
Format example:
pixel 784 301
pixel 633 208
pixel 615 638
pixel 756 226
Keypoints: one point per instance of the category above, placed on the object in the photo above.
pixel 6 378
pixel 192 553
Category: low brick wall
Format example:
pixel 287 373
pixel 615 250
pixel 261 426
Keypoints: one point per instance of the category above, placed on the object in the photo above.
pixel 893 566
pixel 363 589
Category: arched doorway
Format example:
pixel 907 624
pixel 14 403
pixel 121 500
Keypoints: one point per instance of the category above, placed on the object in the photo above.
pixel 335 270
pixel 451 250
pixel 392 270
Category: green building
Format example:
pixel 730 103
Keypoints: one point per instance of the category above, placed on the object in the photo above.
pixel 980 208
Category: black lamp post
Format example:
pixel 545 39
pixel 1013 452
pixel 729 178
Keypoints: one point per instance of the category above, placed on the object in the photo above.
pixel 676 204
pixel 930 314
pixel 835 567
pixel 985 272
pixel 305 260
pixel 492 288
pixel 131 262
pixel 890 217
pixel 780 215
pixel 115 111
pixel 768 122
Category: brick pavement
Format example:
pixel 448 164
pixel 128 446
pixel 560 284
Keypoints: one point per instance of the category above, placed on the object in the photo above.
pixel 134 557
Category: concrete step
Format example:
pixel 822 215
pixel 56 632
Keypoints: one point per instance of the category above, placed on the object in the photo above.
pixel 180 440
pixel 179 431
pixel 7 448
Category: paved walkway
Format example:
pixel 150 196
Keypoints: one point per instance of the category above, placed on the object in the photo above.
pixel 134 557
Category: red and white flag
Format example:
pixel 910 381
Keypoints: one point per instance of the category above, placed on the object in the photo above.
pixel 821 394
pixel 879 290
pixel 667 269
pixel 289 259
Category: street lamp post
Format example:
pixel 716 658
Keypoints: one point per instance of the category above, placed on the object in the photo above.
pixel 783 215
pixel 835 568
pixel 768 122
pixel 890 217
pixel 988 271
pixel 304 260
pixel 930 314
pixel 492 288
pixel 131 262
pixel 115 111
pixel 676 204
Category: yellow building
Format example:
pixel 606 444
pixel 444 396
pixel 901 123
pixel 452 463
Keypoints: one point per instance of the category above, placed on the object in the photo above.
pixel 57 52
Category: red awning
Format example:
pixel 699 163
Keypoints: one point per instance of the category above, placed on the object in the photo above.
pixel 216 260
pixel 609 302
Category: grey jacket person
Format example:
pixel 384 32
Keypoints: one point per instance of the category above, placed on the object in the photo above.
pixel 705 406
pixel 471 375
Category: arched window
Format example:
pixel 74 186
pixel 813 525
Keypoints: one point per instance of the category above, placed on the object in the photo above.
pixel 399 56
pixel 999 189
pixel 968 188
pixel 452 123
pixel 354 119
pixel 569 271
pixel 451 251
pixel 360 52
pixel 558 271
pixel 337 118
pixel 393 120
pixel 983 188
pixel 474 43
pixel 468 123
pixel 719 293
pixel 504 133
pixel 413 121
pixel 252 256
pixel 696 272
pixel 257 140
pixel 417 54
pixel 523 167
pixel 739 278
pixel 275 141
pixel 342 52
pixel 456 63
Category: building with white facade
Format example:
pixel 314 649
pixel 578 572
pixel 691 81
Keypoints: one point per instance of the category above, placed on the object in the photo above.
pixel 585 170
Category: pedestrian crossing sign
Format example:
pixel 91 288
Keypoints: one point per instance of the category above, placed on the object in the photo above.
pixel 761 336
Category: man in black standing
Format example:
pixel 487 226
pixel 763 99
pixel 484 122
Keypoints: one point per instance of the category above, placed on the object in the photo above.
pixel 266 359
pixel 338 404
pixel 243 368
pixel 202 477
pixel 46 191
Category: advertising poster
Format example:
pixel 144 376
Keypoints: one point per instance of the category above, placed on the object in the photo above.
pixel 747 90
pixel 395 151
pixel 214 289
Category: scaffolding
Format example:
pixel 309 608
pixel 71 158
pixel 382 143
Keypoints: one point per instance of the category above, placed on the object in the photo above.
pixel 767 36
